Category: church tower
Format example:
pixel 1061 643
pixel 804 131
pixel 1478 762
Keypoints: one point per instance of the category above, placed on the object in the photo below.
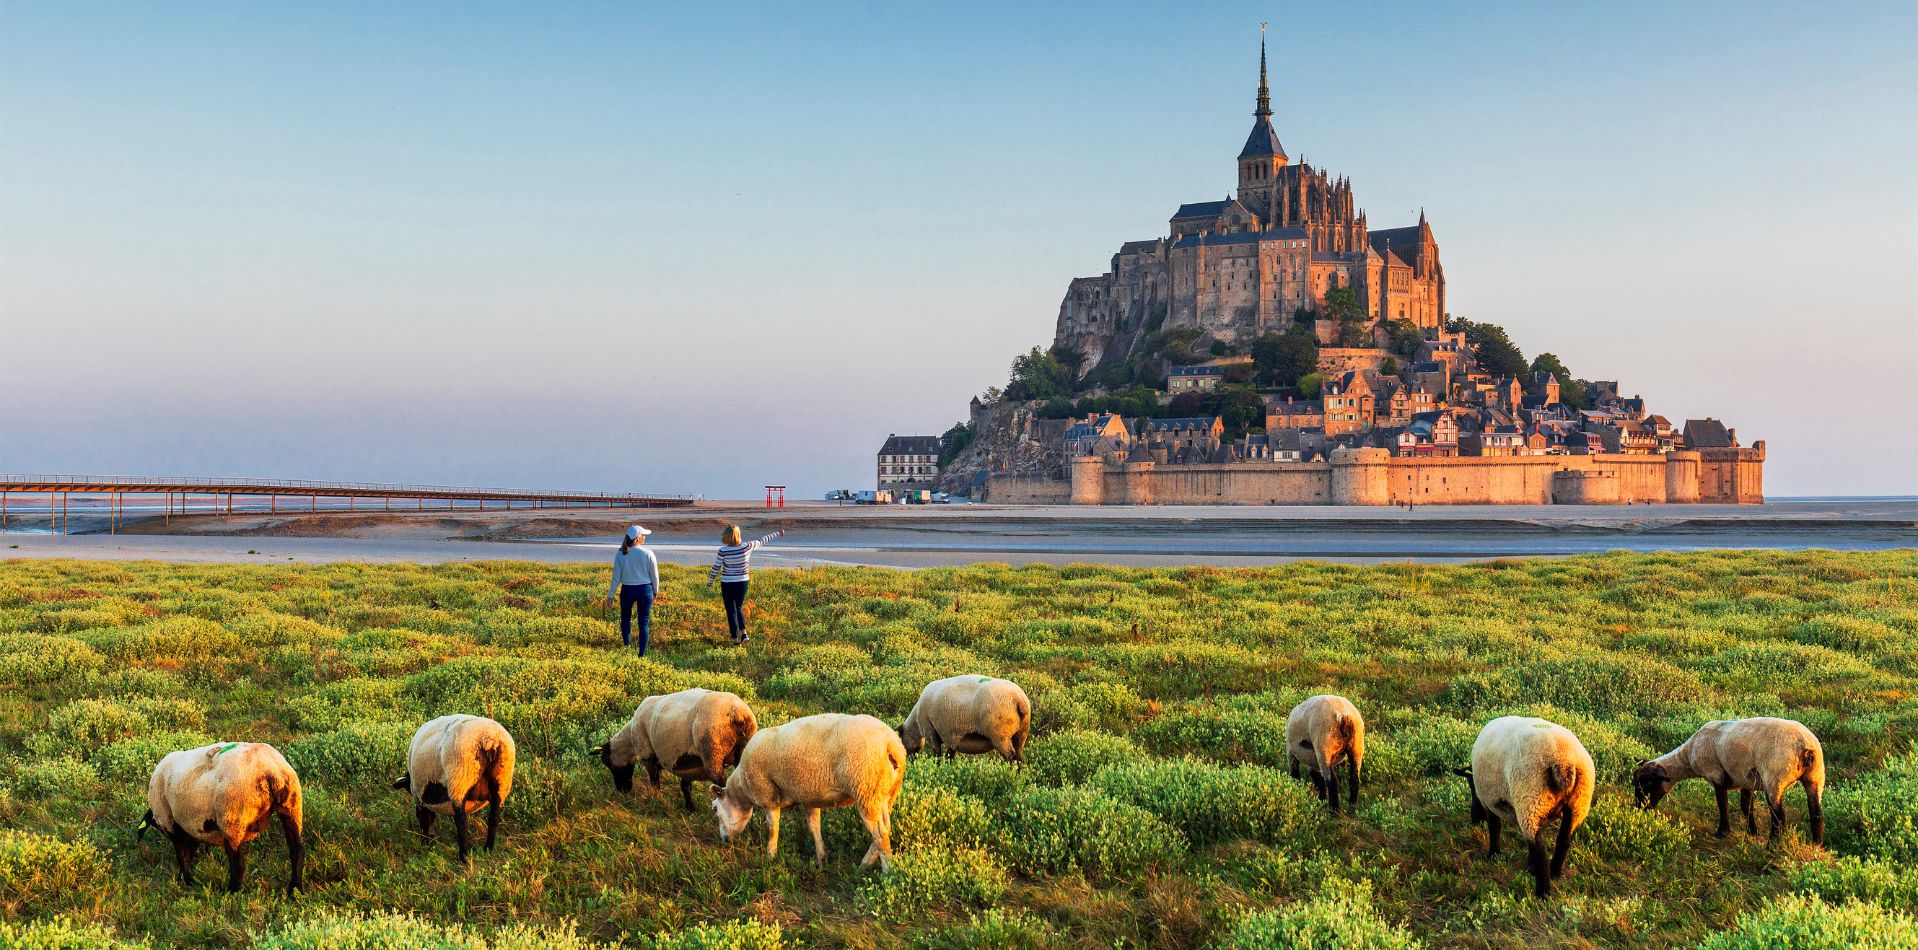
pixel 1262 158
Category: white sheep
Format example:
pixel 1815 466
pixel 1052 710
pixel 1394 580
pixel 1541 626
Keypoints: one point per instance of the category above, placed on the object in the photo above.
pixel 970 714
pixel 224 794
pixel 1324 732
pixel 1761 754
pixel 696 734
pixel 454 765
pixel 1529 771
pixel 824 761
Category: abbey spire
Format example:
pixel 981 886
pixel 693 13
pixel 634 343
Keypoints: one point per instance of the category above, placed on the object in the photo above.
pixel 1263 158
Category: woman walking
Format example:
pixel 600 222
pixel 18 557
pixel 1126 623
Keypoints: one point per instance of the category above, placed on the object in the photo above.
pixel 732 568
pixel 635 585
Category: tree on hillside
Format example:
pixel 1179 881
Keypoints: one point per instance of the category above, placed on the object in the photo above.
pixel 1495 352
pixel 1343 305
pixel 955 441
pixel 1038 376
pixel 1239 407
pixel 1281 358
pixel 1571 391
pixel 1404 338
pixel 1310 384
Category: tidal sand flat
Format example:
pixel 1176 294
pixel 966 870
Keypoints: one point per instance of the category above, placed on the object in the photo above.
pixel 1155 808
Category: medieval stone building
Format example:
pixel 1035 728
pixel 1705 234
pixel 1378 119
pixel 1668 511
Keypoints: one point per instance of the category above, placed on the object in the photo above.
pixel 1244 265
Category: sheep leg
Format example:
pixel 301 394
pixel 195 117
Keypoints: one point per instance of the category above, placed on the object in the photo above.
pixel 1318 784
pixel 1776 803
pixel 425 816
pixel 878 819
pixel 492 816
pixel 459 827
pixel 185 847
pixel 1332 788
pixel 235 868
pixel 1535 861
pixel 1815 812
pixel 818 840
pixel 1745 805
pixel 652 770
pixel 295 853
pixel 772 832
pixel 1352 764
pixel 1492 829
pixel 686 792
pixel 1563 847
pixel 1293 761
pixel 1724 810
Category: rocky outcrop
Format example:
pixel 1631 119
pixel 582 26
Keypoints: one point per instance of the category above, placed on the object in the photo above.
pixel 1012 440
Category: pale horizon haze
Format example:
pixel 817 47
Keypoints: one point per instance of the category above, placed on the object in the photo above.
pixel 701 249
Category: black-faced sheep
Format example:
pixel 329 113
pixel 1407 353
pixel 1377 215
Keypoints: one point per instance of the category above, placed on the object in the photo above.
pixel 454 766
pixel 695 734
pixel 970 714
pixel 1762 754
pixel 825 761
pixel 224 794
pixel 1324 732
pixel 1529 772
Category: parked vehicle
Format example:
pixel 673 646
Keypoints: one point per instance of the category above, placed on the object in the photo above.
pixel 880 497
pixel 840 494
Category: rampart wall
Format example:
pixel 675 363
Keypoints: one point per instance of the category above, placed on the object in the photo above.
pixel 1373 477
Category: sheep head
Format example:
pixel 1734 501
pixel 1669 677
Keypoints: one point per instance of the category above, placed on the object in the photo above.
pixel 622 774
pixel 1650 782
pixel 910 738
pixel 732 815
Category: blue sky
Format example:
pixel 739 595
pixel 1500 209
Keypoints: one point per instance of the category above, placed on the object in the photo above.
pixel 609 245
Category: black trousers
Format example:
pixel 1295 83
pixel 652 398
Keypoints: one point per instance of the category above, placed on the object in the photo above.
pixel 733 595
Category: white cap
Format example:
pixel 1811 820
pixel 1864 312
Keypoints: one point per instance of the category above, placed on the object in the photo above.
pixel 636 531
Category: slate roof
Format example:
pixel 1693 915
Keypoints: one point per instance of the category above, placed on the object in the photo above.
pixel 1707 434
pixel 1196 371
pixel 910 445
pixel 1181 424
pixel 1264 140
pixel 1202 209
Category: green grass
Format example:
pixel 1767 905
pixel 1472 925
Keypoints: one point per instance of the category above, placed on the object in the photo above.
pixel 1155 811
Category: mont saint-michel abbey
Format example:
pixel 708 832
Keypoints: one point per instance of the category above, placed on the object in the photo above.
pixel 1244 264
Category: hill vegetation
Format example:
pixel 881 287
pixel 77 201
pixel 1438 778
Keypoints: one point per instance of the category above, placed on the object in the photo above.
pixel 1155 809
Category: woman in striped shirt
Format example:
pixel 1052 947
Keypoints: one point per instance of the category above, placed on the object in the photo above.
pixel 732 568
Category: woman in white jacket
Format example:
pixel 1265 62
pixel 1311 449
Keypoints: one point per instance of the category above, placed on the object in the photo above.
pixel 635 586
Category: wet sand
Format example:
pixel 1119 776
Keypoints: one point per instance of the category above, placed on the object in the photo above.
pixel 823 534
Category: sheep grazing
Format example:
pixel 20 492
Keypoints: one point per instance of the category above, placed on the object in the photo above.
pixel 696 734
pixel 1763 755
pixel 455 765
pixel 970 714
pixel 1529 772
pixel 1324 732
pixel 223 794
pixel 824 761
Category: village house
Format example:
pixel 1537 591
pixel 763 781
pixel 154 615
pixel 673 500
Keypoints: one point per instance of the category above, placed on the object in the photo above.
pixel 1350 404
pixel 1198 379
pixel 1294 414
pixel 1709 433
pixel 1192 437
pixel 1097 434
pixel 909 463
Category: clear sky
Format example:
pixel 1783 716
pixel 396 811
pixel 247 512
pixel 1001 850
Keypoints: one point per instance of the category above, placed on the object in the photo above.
pixel 704 247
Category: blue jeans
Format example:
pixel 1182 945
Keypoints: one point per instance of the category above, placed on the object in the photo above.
pixel 630 596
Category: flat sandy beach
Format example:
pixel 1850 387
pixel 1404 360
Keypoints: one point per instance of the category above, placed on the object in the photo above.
pixel 962 534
